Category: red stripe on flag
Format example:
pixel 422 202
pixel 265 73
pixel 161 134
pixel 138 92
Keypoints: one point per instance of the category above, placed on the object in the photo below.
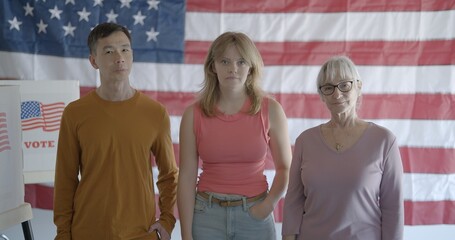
pixel 39 196
pixel 429 212
pixel 428 160
pixel 387 53
pixel 415 160
pixel 374 106
pixel 272 6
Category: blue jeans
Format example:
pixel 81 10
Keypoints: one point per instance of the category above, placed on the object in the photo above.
pixel 214 222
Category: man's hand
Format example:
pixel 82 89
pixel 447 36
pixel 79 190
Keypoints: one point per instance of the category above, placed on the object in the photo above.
pixel 162 233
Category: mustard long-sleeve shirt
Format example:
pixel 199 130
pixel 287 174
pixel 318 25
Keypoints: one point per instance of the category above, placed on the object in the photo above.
pixel 110 145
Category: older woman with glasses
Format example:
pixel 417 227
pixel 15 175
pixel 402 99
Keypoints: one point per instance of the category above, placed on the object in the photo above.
pixel 346 174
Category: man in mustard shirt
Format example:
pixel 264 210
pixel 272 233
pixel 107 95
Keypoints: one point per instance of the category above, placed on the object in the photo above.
pixel 103 178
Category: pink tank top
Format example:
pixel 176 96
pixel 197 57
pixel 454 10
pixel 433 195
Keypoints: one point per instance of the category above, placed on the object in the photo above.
pixel 233 150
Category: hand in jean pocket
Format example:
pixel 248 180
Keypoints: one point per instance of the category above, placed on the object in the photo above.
pixel 261 210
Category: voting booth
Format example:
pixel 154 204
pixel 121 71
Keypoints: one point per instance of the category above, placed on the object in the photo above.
pixel 41 105
pixel 30 113
pixel 13 210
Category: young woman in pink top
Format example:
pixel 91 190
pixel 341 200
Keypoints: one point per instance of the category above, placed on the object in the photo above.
pixel 345 180
pixel 231 128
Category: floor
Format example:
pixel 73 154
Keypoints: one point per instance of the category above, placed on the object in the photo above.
pixel 44 229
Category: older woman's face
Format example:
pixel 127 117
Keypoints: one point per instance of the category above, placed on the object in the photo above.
pixel 341 95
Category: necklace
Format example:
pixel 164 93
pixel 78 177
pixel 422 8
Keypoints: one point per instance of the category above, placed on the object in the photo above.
pixel 338 146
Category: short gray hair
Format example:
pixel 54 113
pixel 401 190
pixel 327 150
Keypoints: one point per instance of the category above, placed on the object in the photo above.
pixel 337 67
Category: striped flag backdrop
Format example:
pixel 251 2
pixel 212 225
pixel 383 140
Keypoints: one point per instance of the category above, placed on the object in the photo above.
pixel 405 51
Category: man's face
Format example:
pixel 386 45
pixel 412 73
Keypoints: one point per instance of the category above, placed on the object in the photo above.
pixel 113 57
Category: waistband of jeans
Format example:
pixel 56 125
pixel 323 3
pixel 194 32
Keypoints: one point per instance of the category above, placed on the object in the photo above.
pixel 231 203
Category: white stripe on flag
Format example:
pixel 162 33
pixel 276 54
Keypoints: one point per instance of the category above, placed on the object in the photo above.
pixel 276 79
pixel 346 26
pixel 417 187
pixel 429 232
pixel 429 187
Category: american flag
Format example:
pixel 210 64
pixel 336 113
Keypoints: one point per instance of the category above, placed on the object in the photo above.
pixel 36 115
pixel 4 138
pixel 405 51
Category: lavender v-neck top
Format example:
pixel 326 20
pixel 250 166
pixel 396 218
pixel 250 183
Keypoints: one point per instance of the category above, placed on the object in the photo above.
pixel 352 194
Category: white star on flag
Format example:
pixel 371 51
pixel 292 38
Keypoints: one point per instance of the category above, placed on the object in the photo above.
pixel 15 24
pixel 112 17
pixel 55 13
pixel 72 20
pixel 98 2
pixel 152 35
pixel 42 27
pixel 69 29
pixel 125 3
pixel 83 15
pixel 153 4
pixel 28 10
pixel 139 18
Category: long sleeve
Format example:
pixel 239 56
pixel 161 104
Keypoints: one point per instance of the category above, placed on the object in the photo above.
pixel 168 174
pixel 114 197
pixel 351 194
pixel 66 177
pixel 295 198
pixel 391 196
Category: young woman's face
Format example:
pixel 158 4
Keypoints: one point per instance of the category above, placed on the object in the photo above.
pixel 232 69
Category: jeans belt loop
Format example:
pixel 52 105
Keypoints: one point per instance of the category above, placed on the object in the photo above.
pixel 244 204
pixel 210 200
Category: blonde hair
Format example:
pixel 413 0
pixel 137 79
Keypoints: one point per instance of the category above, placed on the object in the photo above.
pixel 210 92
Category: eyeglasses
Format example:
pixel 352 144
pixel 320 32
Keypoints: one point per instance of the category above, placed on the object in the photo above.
pixel 328 89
